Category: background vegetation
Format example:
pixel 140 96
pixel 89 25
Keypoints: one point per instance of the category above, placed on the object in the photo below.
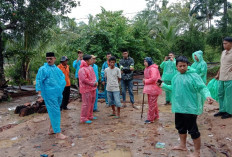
pixel 30 28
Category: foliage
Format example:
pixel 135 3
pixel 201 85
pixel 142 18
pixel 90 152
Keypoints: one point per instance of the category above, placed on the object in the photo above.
pixel 160 28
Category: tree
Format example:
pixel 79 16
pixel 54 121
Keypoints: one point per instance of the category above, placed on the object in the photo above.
pixel 26 19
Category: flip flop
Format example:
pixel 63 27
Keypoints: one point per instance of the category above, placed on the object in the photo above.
pixel 111 115
pixel 88 122
pixel 94 118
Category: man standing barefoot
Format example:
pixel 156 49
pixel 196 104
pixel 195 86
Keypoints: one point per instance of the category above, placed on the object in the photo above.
pixel 50 83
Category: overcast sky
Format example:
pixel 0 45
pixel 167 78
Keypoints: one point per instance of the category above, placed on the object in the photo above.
pixel 93 7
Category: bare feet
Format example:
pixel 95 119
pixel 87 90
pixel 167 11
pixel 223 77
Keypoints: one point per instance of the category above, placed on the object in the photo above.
pixel 182 148
pixel 194 154
pixel 135 107
pixel 61 136
pixel 50 132
pixel 124 105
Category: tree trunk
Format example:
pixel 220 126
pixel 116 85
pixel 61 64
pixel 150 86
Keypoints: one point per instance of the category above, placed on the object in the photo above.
pixel 2 76
pixel 225 18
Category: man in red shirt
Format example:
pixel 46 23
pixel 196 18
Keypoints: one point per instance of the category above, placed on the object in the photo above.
pixel 66 93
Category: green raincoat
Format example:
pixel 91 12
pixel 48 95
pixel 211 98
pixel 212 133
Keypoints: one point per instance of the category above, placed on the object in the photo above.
pixel 200 66
pixel 169 70
pixel 188 93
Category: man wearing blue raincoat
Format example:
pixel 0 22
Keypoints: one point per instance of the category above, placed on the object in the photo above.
pixel 95 68
pixel 50 83
pixel 200 65
pixel 76 65
pixel 103 79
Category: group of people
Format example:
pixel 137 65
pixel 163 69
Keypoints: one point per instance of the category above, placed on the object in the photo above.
pixel 185 88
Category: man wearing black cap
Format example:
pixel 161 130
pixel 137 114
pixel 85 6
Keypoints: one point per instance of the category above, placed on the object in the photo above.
pixel 225 81
pixel 64 67
pixel 50 83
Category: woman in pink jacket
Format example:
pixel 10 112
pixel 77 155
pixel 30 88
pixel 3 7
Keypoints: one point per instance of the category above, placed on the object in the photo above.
pixel 151 76
pixel 88 85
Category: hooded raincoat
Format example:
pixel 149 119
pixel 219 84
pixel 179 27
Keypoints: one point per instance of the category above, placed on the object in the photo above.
pixel 50 80
pixel 169 71
pixel 188 93
pixel 200 66
pixel 87 80
pixel 151 76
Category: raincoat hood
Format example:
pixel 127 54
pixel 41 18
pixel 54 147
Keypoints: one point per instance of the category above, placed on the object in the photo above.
pixel 199 55
pixel 83 64
pixel 200 66
pixel 154 66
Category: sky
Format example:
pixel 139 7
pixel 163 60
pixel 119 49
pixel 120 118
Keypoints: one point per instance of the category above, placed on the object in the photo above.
pixel 93 7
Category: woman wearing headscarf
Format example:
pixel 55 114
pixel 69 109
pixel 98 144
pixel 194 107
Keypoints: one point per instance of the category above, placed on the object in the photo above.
pixel 151 76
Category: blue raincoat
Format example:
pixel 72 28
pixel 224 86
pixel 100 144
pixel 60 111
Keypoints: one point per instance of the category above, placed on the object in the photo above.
pixel 76 65
pixel 95 68
pixel 50 80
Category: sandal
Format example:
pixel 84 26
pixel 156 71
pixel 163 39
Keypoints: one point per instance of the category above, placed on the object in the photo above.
pixel 111 115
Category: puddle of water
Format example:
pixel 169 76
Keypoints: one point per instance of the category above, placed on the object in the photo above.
pixel 11 108
pixel 114 153
pixel 14 138
pixel 8 143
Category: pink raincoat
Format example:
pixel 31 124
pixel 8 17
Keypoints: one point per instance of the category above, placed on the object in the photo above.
pixel 151 76
pixel 87 80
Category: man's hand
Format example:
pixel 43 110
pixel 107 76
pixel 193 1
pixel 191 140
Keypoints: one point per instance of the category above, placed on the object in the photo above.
pixel 165 58
pixel 216 77
pixel 144 81
pixel 171 59
pixel 230 69
pixel 210 100
pixel 132 69
pixel 96 84
pixel 103 83
pixel 40 99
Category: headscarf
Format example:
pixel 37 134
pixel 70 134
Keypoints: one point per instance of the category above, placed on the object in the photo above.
pixel 149 61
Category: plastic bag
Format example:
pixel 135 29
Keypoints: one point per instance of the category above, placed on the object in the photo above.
pixel 213 88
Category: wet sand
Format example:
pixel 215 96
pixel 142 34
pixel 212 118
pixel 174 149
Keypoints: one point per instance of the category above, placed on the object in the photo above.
pixel 108 137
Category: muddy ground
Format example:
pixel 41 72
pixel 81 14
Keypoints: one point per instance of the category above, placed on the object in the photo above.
pixel 108 137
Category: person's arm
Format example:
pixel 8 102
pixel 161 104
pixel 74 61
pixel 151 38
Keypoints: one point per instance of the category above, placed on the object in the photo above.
pixel 75 64
pixel 97 76
pixel 166 87
pixel 203 70
pixel 103 73
pixel 162 65
pixel 153 77
pixel 119 75
pixel 40 77
pixel 218 74
pixel 132 65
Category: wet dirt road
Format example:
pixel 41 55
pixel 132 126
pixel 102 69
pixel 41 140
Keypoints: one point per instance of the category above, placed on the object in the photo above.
pixel 108 137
